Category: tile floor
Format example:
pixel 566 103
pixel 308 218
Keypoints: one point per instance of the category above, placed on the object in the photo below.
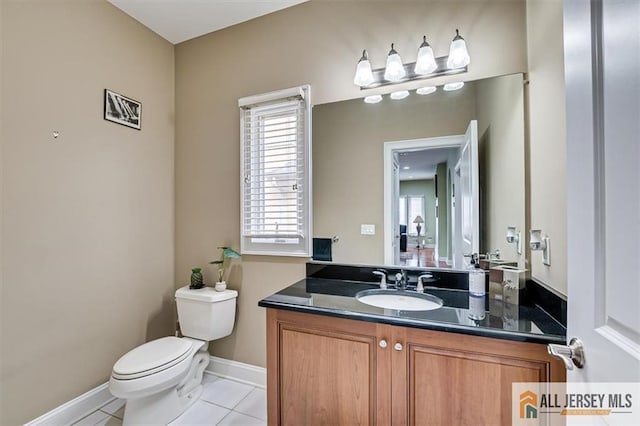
pixel 223 402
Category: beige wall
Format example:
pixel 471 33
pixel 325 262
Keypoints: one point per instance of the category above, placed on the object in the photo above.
pixel 547 138
pixel 87 226
pixel 500 113
pixel 318 43
pixel 348 141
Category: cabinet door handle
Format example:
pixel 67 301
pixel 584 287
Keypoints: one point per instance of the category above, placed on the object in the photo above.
pixel 398 346
pixel 383 343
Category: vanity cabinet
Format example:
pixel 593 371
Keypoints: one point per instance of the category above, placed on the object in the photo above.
pixel 331 371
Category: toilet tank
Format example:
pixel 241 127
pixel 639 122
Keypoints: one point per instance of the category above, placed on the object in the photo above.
pixel 206 314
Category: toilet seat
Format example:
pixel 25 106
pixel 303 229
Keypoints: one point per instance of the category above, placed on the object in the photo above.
pixel 152 357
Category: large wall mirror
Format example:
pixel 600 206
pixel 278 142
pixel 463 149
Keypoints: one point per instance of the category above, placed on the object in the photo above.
pixel 423 180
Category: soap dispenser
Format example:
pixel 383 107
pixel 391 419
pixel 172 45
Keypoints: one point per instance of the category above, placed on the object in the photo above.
pixel 476 290
pixel 476 279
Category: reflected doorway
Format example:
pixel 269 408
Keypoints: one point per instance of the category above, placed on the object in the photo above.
pixel 421 212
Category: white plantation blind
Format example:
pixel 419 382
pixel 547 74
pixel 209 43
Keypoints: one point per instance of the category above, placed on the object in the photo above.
pixel 276 185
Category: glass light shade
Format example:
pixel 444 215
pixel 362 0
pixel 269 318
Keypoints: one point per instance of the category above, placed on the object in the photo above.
pixel 394 70
pixel 363 76
pixel 426 90
pixel 449 87
pixel 373 99
pixel 401 94
pixel 458 54
pixel 426 62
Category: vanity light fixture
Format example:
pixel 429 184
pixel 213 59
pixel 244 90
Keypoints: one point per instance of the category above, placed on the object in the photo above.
pixel 373 99
pixel 458 54
pixel 425 66
pixel 394 71
pixel 450 87
pixel 364 76
pixel 406 168
pixel 426 90
pixel 401 94
pixel 513 237
pixel 538 242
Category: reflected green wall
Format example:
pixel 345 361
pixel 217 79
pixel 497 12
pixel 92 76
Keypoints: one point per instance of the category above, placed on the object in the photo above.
pixel 444 245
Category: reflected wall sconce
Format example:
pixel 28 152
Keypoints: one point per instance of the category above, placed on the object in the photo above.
pixel 425 66
pixel 513 237
pixel 538 242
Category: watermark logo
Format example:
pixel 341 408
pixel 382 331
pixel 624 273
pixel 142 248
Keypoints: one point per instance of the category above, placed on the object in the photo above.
pixel 528 405
pixel 585 403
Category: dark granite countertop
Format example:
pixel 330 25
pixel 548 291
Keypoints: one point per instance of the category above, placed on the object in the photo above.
pixel 336 298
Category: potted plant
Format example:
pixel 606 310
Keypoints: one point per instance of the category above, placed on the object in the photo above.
pixel 227 253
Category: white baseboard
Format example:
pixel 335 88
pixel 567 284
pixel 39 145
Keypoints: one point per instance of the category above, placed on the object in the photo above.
pixel 77 408
pixel 100 396
pixel 238 371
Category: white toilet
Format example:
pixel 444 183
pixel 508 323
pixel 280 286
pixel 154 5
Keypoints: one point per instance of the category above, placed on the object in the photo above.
pixel 162 378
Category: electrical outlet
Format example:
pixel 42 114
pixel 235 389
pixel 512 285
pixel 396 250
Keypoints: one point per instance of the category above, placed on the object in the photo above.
pixel 367 229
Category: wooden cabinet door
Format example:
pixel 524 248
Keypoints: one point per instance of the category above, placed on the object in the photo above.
pixel 466 380
pixel 324 371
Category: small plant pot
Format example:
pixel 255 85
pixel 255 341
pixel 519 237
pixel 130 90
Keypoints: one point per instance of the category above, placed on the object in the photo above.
pixel 221 286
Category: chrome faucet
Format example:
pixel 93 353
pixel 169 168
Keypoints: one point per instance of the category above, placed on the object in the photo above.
pixel 401 280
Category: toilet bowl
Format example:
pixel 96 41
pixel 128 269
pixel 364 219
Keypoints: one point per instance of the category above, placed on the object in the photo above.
pixel 160 379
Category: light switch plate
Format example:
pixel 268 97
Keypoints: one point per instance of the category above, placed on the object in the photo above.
pixel 367 229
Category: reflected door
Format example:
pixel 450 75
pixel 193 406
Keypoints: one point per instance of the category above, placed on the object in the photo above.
pixel 469 195
pixel 395 209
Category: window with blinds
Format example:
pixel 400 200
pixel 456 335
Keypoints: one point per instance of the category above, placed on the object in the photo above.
pixel 276 163
pixel 411 206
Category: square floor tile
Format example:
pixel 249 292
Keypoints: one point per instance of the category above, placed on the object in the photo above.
pixel 226 393
pixel 115 408
pixel 93 419
pixel 238 419
pixel 254 404
pixel 201 413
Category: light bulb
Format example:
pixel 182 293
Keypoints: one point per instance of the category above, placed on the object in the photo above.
pixel 363 76
pixel 401 94
pixel 449 87
pixel 373 99
pixel 458 55
pixel 426 62
pixel 426 90
pixel 394 70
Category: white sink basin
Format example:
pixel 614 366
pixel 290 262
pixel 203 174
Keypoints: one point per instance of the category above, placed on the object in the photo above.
pixel 399 300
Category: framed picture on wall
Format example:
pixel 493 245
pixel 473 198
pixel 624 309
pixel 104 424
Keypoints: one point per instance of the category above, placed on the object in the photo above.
pixel 122 110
